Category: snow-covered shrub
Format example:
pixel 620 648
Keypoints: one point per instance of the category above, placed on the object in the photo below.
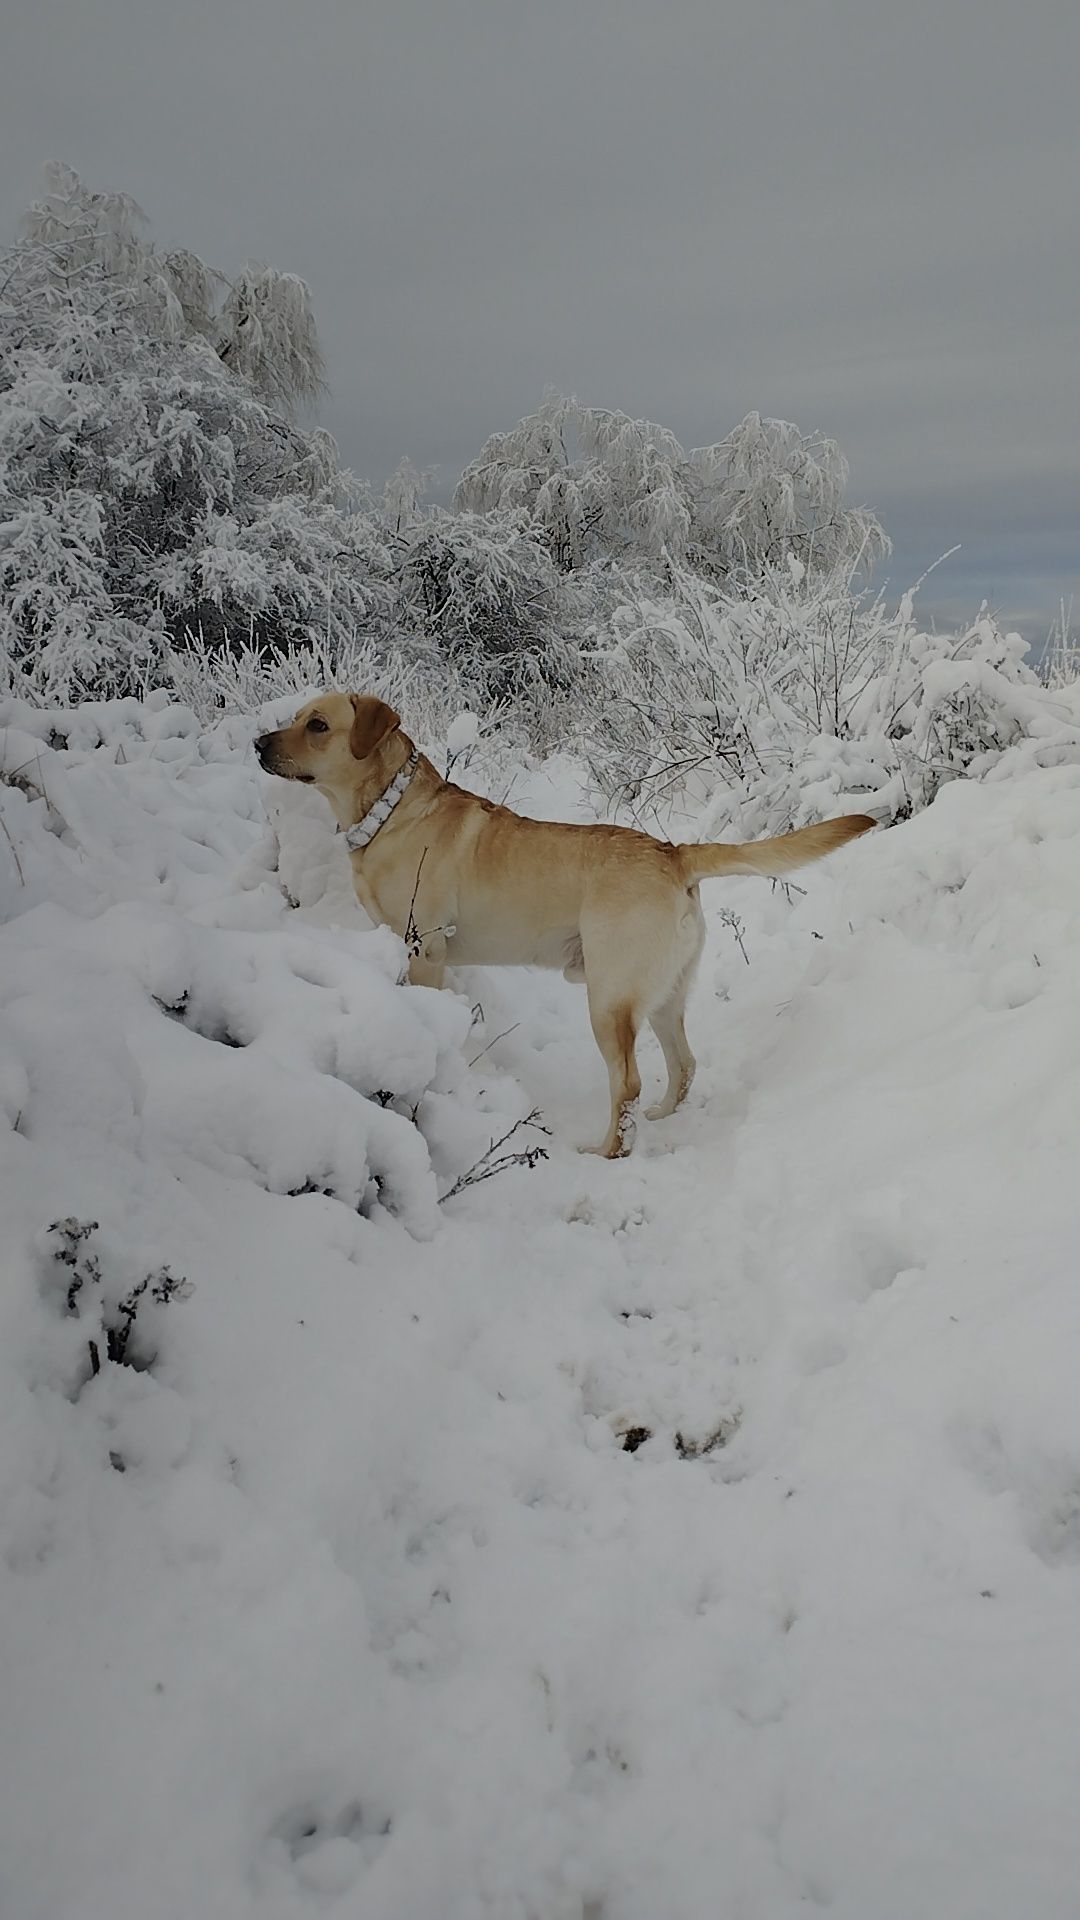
pixel 598 484
pixel 113 1313
pixel 483 594
pixel 479 621
pixel 798 696
pixel 625 489
pixel 261 322
pixel 153 482
pixel 1060 663
pixel 767 494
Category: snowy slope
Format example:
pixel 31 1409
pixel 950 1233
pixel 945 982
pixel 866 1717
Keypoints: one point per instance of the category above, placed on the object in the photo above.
pixel 355 1601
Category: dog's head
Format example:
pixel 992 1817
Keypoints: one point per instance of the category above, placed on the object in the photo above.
pixel 327 739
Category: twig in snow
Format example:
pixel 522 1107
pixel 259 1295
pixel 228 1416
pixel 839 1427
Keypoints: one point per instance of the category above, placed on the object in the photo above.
pixel 732 920
pixel 494 1042
pixel 492 1161
pixel 414 937
pixel 14 852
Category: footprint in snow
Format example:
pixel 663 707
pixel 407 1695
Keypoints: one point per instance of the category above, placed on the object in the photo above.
pixel 326 1845
pixel 879 1244
pixel 1044 1488
pixel 1013 986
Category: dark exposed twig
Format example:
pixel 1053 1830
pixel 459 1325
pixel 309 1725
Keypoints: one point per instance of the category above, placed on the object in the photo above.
pixel 492 1161
pixel 412 938
pixel 494 1042
pixel 14 852
pixel 732 920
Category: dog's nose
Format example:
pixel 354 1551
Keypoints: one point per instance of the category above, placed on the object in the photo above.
pixel 261 744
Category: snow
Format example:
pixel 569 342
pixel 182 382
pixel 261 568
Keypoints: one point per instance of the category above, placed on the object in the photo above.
pixel 350 1598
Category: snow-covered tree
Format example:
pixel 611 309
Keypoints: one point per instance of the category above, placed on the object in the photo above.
pixel 403 494
pixel 599 484
pixel 153 481
pixel 267 335
pixel 768 492
pixel 260 324
pixel 623 492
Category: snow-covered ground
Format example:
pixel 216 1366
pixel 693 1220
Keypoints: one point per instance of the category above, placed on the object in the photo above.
pixel 692 1538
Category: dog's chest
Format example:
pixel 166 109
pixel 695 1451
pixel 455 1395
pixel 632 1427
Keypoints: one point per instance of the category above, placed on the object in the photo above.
pixel 388 889
pixel 368 895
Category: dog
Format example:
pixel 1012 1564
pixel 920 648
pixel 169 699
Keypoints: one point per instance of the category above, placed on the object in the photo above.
pixel 469 883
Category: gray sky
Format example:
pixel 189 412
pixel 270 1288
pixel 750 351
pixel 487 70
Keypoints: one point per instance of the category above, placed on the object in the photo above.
pixel 863 218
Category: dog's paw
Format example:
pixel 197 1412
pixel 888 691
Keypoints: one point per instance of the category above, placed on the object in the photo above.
pixel 620 1149
pixel 619 1140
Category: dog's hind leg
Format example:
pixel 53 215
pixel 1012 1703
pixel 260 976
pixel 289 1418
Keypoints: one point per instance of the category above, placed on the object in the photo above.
pixel 635 960
pixel 666 1021
pixel 667 1024
pixel 574 968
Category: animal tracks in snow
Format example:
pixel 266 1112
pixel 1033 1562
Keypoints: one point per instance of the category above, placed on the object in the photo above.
pixel 326 1842
pixel 1041 1488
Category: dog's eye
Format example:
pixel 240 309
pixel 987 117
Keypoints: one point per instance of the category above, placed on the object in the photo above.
pixel 315 725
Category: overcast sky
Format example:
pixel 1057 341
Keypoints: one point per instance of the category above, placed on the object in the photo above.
pixel 864 218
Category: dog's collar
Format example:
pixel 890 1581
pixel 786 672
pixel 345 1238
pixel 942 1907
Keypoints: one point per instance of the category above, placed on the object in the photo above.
pixel 363 831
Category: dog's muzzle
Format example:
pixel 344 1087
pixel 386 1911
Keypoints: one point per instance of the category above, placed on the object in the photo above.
pixel 270 761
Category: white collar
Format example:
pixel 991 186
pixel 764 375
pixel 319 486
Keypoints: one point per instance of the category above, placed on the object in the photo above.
pixel 363 832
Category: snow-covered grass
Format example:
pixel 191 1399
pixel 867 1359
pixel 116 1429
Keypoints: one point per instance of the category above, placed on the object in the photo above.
pixel 790 694
pixel 692 1536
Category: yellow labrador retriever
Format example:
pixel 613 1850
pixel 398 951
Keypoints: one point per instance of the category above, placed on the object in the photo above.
pixel 469 883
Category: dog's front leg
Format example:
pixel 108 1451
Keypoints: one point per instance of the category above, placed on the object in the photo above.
pixel 430 924
pixel 428 968
pixel 427 949
pixel 615 1027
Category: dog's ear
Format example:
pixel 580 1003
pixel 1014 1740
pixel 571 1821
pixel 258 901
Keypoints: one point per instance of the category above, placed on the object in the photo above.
pixel 372 721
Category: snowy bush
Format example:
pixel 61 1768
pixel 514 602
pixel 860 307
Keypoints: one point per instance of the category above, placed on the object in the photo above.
pixel 598 484
pixel 153 482
pixel 767 494
pixel 114 1318
pixel 798 697
pixel 1060 663
pixel 483 592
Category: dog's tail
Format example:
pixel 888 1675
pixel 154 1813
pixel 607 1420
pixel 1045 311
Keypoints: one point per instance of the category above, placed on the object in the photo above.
pixel 772 857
